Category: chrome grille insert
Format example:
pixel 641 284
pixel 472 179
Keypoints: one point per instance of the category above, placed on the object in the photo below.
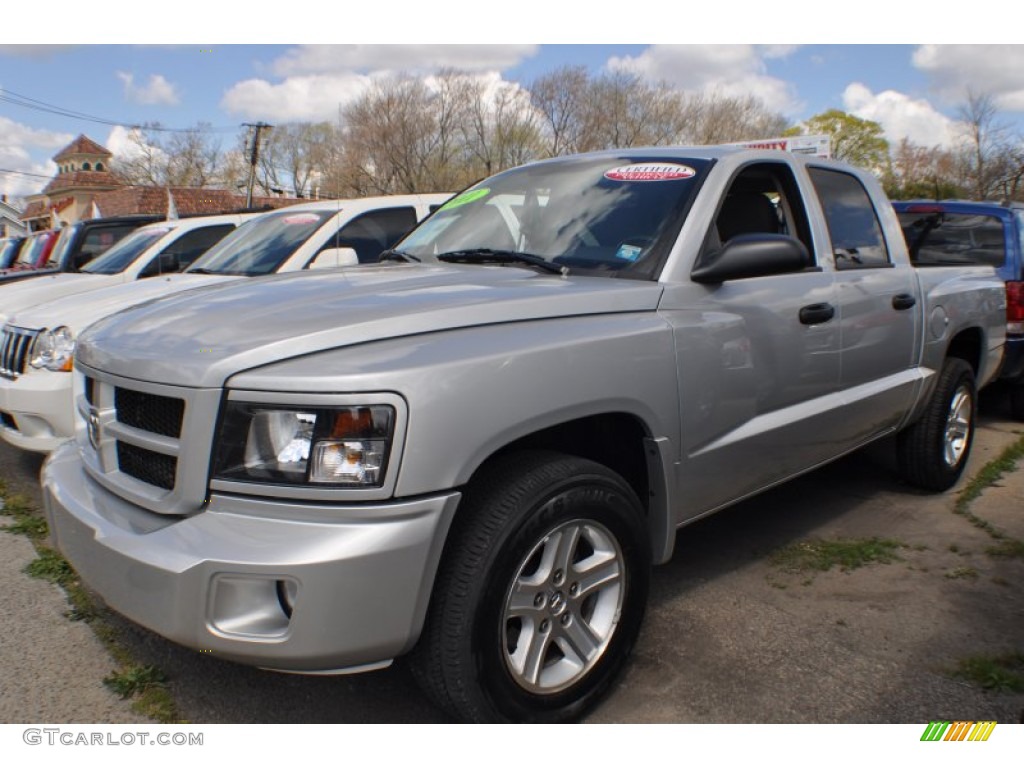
pixel 15 345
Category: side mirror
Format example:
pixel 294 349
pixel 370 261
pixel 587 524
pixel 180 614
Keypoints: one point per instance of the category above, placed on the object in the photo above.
pixel 757 255
pixel 334 257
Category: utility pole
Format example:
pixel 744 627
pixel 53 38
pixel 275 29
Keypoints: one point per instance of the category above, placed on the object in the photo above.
pixel 254 157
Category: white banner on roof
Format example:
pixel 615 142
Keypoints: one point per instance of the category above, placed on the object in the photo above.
pixel 819 146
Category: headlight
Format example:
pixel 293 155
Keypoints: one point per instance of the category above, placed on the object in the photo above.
pixel 54 349
pixel 340 446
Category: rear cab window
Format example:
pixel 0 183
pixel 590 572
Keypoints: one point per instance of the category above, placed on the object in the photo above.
pixel 937 238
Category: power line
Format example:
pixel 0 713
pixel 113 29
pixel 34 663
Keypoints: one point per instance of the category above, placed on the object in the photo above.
pixel 25 173
pixel 27 102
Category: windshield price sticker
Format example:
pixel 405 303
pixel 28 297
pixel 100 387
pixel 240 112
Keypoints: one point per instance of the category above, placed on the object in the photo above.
pixel 650 172
pixel 466 197
pixel 301 218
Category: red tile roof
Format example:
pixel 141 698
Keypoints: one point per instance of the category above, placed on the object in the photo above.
pixel 79 179
pixel 189 201
pixel 34 210
pixel 83 145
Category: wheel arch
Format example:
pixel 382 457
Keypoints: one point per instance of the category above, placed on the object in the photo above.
pixel 968 345
pixel 620 441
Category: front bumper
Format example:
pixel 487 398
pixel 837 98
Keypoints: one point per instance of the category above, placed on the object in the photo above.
pixel 358 578
pixel 37 410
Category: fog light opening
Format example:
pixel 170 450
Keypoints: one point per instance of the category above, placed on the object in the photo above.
pixel 286 593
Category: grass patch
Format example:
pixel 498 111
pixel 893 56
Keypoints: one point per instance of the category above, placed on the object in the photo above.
pixel 990 474
pixel 994 673
pixel 26 521
pixel 51 567
pixel 847 554
pixel 962 573
pixel 135 679
pixel 146 686
pixel 1007 548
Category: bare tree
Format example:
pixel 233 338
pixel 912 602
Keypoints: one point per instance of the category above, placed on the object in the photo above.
pixel 193 157
pixel 189 158
pixel 983 136
pixel 716 118
pixel 560 99
pixel 499 127
pixel 625 111
pixel 143 161
pixel 915 171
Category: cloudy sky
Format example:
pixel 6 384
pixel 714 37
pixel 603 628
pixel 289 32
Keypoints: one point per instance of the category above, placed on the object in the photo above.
pixel 912 90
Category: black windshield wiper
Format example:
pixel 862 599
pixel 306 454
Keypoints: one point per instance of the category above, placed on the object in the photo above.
pixel 491 256
pixel 393 255
pixel 203 271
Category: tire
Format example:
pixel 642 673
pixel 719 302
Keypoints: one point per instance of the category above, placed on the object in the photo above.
pixel 934 450
pixel 514 632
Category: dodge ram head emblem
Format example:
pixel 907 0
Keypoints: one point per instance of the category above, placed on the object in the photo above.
pixel 93 426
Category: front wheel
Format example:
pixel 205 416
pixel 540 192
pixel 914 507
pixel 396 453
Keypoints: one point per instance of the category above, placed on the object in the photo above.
pixel 934 450
pixel 541 592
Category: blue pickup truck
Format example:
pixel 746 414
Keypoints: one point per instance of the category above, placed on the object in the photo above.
pixel 951 232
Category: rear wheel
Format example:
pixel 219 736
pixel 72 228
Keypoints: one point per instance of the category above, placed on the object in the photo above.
pixel 540 596
pixel 934 450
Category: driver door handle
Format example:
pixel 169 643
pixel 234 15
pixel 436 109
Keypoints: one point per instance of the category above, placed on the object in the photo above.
pixel 903 301
pixel 813 314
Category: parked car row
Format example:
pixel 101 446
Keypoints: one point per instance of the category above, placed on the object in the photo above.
pixel 44 317
pixel 467 448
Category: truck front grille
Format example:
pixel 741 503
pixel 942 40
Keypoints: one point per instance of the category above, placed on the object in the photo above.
pixel 132 435
pixel 150 413
pixel 148 466
pixel 15 345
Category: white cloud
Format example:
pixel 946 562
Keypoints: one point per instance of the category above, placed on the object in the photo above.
pixel 308 97
pixel 21 148
pixel 900 116
pixel 994 69
pixel 320 79
pixel 732 70
pixel 157 91
pixel 128 144
pixel 338 59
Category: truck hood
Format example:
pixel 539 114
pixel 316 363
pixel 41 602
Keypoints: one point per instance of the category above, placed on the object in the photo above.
pixel 21 295
pixel 83 309
pixel 201 339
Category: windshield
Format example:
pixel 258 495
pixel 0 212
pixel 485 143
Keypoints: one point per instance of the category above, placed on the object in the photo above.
pixel 121 255
pixel 63 243
pixel 260 246
pixel 599 216
pixel 8 251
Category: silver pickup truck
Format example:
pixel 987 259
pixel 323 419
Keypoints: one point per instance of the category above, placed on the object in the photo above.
pixel 472 453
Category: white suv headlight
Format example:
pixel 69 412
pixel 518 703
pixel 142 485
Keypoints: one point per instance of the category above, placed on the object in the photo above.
pixel 54 349
pixel 344 446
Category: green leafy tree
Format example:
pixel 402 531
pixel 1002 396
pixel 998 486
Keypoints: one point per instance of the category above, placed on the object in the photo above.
pixel 854 140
